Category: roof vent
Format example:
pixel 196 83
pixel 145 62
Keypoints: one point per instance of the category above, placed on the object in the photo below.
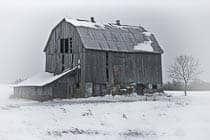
pixel 92 20
pixel 118 22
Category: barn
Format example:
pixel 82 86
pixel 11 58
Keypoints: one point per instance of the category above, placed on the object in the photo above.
pixel 85 58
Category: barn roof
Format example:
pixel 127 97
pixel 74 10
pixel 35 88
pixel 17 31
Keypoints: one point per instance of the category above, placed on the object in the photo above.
pixel 43 78
pixel 113 37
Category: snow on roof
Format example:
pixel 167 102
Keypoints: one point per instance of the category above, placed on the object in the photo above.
pixel 87 23
pixel 148 34
pixel 144 46
pixel 121 26
pixel 84 23
pixel 43 78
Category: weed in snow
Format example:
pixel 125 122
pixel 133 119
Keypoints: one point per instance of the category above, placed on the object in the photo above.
pixel 124 117
pixel 88 113
pixel 74 131
pixel 137 133
pixel 63 109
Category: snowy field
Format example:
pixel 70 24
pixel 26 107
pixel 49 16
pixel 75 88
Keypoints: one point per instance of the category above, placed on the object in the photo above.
pixel 111 118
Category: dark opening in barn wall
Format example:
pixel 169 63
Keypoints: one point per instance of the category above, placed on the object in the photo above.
pixel 140 89
pixel 71 45
pixel 72 60
pixel 66 46
pixel 61 45
pixel 62 59
pixel 154 86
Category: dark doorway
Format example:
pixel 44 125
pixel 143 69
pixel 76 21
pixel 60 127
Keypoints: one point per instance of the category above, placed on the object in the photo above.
pixel 154 87
pixel 140 89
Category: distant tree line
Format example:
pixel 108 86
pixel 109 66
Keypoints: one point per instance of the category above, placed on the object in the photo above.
pixel 196 84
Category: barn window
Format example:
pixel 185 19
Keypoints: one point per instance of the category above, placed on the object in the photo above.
pixel 71 45
pixel 64 45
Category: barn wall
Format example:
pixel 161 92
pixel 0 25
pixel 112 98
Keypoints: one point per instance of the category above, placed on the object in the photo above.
pixel 67 86
pixel 33 92
pixel 123 68
pixel 64 87
pixel 95 66
pixel 135 67
pixel 53 55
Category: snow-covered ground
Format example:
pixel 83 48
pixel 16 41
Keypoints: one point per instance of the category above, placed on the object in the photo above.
pixel 115 118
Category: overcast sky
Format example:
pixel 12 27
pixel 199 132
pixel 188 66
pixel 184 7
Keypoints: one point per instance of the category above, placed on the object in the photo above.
pixel 181 27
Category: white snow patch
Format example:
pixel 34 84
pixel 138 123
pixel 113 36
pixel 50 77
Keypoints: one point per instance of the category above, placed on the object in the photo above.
pixel 123 27
pixel 43 78
pixel 96 25
pixel 148 34
pixel 84 23
pixel 144 46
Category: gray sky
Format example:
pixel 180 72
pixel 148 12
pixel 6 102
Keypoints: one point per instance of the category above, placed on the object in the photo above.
pixel 181 26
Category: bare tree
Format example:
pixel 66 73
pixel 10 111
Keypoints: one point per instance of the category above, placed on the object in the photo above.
pixel 184 69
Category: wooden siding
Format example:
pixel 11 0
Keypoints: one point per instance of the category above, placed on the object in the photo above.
pixel 53 54
pixel 33 92
pixel 64 87
pixel 123 67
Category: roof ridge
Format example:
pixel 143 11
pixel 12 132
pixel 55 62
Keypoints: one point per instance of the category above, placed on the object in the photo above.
pixel 71 20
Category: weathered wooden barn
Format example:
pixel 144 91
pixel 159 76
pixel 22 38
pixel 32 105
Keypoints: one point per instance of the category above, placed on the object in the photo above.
pixel 85 58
